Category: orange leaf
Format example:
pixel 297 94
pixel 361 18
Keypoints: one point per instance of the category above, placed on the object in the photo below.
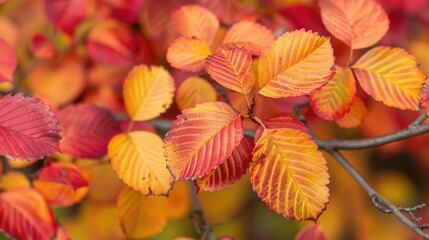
pixel 202 138
pixel 13 180
pixel 148 92
pixel 252 36
pixel 334 99
pixel 391 76
pixel 179 200
pixel 193 91
pixel 24 213
pixel 8 62
pixel 141 216
pixel 138 159
pixel 311 232
pixel 194 21
pixel 296 64
pixel 58 82
pixel 105 184
pixel 188 54
pixel 355 116
pixel 290 175
pixel 232 68
pixel 359 24
pixel 227 173
pixel 279 122
pixel 42 47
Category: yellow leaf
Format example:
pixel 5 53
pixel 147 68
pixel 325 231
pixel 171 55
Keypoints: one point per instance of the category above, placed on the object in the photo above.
pixel 296 64
pixel 391 76
pixel 141 216
pixel 290 175
pixel 355 116
pixel 148 92
pixel 138 159
pixel 193 91
pixel 188 54
pixel 13 179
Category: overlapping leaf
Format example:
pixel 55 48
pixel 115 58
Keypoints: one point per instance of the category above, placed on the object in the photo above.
pixel 391 76
pixel 64 173
pixel 28 128
pixel 232 68
pixel 24 213
pixel 66 14
pixel 280 122
pixel 333 100
pixel 202 138
pixel 138 159
pixel 355 116
pixel 252 36
pixel 359 24
pixel 8 62
pixel 193 91
pixel 188 54
pixel 227 173
pixel 290 175
pixel 296 64
pixel 141 216
pixel 148 92
pixel 195 21
pixel 86 130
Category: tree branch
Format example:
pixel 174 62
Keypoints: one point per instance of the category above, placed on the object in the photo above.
pixel 199 218
pixel 379 201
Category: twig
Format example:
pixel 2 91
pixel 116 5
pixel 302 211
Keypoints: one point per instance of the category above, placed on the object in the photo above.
pixel 379 201
pixel 199 218
pixel 5 164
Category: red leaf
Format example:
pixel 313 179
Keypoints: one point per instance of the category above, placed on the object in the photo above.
pixel 230 171
pixel 311 232
pixel 42 47
pixel 63 174
pixel 66 14
pixel 125 10
pixel 24 214
pixel 8 62
pixel 28 129
pixel 87 130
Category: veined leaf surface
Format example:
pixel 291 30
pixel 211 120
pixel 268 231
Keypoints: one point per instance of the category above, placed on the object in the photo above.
pixel 24 213
pixel 232 68
pixel 333 100
pixel 390 75
pixel 250 35
pixel 194 91
pixel 188 54
pixel 359 24
pixel 138 159
pixel 290 174
pixel 227 173
pixel 201 138
pixel 148 92
pixel 141 216
pixel 296 64
pixel 279 122
pixel 195 21
pixel 28 128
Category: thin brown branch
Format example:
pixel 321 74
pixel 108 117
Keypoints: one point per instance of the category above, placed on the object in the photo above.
pixel 199 218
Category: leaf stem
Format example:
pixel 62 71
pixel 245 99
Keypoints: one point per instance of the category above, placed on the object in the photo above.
pixel 199 218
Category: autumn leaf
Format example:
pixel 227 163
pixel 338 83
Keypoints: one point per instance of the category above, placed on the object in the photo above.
pixel 42 47
pixel 13 179
pixel 24 213
pixel 334 99
pixel 250 35
pixel 138 159
pixel 28 128
pixel 194 91
pixel 296 64
pixel 231 170
pixel 148 91
pixel 290 174
pixel 280 121
pixel 64 173
pixel 311 232
pixel 86 130
pixel 188 54
pixel 355 116
pixel 390 75
pixel 232 68
pixel 227 11
pixel 141 216
pixel 359 24
pixel 194 21
pixel 8 62
pixel 201 138
pixel 66 14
